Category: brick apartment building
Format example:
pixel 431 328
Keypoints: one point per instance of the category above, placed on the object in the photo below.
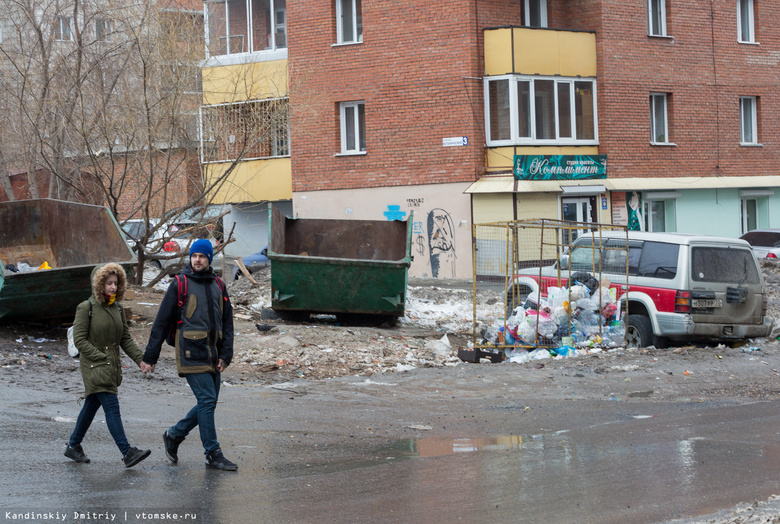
pixel 453 113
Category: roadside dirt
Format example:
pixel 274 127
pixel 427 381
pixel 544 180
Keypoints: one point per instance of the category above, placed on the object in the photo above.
pixel 438 321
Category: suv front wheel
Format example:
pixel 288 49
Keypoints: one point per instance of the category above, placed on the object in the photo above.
pixel 639 331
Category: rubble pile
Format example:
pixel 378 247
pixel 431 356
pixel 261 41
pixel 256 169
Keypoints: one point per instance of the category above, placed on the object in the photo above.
pixel 436 323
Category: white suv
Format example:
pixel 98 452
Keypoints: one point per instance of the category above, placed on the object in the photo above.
pixel 677 286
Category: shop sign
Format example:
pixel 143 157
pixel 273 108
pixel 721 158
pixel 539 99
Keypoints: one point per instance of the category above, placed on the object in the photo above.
pixel 560 167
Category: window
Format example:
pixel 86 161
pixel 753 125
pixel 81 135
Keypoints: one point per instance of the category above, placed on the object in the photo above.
pixel 539 110
pixel 281 27
pixel 659 260
pixel 246 26
pixel 245 130
pixel 349 21
pixel 534 13
pixel 655 215
pixel 103 29
pixel 748 212
pixel 656 17
pixel 63 28
pixel 748 121
pixel 353 127
pixel 659 127
pixel 718 264
pixel 745 21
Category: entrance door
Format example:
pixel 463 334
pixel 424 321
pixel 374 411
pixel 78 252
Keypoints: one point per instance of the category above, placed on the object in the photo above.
pixel 577 209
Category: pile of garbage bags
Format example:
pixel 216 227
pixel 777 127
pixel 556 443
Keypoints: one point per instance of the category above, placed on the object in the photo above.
pixel 565 320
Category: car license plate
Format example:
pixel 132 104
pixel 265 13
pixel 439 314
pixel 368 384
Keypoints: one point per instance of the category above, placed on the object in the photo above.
pixel 707 302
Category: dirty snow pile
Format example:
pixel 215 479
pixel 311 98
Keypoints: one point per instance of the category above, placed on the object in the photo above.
pixel 452 311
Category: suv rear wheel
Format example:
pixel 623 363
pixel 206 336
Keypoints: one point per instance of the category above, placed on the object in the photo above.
pixel 639 331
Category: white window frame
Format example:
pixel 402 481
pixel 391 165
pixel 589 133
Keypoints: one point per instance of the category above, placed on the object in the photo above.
pixel 648 213
pixel 354 124
pixel 746 25
pixel 748 120
pixel 542 6
pixel 656 9
pixel 248 38
pixel 657 99
pixel 280 27
pixel 515 138
pixel 357 22
pixel 743 213
pixel 108 29
pixel 63 29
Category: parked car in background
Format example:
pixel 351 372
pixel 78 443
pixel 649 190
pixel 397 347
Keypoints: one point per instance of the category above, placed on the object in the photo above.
pixel 677 286
pixel 175 237
pixel 253 263
pixel 765 242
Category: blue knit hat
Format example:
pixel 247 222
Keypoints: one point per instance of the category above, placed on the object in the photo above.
pixel 202 246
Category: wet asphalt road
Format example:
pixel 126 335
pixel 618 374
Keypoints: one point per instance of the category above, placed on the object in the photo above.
pixel 452 445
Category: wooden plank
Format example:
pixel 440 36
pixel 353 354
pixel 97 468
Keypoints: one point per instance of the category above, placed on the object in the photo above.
pixel 245 271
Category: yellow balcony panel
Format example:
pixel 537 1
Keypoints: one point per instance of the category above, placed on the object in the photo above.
pixel 499 158
pixel 253 181
pixel 251 81
pixel 498 52
pixel 531 51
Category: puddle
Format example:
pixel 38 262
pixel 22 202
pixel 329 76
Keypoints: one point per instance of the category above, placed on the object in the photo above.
pixel 440 446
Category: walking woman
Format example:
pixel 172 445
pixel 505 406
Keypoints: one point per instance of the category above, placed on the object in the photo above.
pixel 99 330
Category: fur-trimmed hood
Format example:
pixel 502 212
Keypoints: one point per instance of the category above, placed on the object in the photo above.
pixel 99 276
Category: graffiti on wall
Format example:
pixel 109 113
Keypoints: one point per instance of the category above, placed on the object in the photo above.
pixel 394 213
pixel 441 242
pixel 433 238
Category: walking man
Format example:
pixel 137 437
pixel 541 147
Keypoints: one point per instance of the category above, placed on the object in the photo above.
pixel 196 308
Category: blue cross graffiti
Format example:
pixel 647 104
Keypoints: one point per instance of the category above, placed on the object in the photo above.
pixel 394 213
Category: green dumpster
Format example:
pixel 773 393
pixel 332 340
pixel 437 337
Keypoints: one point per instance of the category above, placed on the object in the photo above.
pixel 340 267
pixel 70 238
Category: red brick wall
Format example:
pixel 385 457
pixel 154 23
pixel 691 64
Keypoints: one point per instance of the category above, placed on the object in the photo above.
pixel 705 70
pixel 180 186
pixel 176 182
pixel 417 71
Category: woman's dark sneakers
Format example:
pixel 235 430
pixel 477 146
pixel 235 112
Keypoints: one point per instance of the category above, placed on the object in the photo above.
pixel 76 453
pixel 134 456
pixel 216 460
pixel 172 446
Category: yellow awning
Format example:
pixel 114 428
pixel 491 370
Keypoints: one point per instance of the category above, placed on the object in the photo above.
pixel 507 184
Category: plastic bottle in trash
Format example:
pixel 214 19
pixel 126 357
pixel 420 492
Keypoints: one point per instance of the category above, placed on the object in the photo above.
pixel 491 334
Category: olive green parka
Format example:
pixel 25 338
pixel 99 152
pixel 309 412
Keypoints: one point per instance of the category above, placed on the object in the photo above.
pixel 98 339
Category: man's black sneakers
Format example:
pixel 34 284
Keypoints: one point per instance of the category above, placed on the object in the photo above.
pixel 172 446
pixel 216 460
pixel 134 456
pixel 76 453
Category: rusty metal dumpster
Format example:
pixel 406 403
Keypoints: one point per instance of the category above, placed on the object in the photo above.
pixel 70 238
pixel 341 267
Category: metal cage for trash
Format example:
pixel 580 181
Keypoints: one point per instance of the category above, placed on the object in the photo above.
pixel 553 277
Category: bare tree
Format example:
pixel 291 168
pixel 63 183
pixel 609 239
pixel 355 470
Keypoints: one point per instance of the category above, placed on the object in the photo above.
pixel 105 95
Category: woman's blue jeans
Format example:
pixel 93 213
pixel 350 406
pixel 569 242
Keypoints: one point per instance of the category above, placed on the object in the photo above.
pixel 205 386
pixel 110 404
